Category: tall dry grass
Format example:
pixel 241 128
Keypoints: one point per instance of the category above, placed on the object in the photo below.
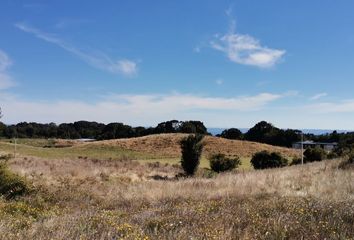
pixel 93 199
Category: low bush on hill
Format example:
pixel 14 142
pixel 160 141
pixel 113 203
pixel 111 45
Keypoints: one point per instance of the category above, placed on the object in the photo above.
pixel 314 154
pixel 265 159
pixel 11 184
pixel 295 161
pixel 220 163
pixel 348 162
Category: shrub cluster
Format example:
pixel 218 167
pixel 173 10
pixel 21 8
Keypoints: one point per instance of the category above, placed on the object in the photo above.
pixel 264 159
pixel 295 161
pixel 348 162
pixel 11 184
pixel 192 148
pixel 220 163
pixel 314 154
pixel 5 157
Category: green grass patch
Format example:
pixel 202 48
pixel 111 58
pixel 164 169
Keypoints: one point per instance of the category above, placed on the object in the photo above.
pixel 204 163
pixel 35 148
pixel 29 141
pixel 100 152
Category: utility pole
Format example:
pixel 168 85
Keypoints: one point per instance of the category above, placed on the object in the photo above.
pixel 302 148
pixel 15 139
pixel 15 147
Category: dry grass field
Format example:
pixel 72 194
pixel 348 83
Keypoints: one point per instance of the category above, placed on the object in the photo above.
pixel 78 196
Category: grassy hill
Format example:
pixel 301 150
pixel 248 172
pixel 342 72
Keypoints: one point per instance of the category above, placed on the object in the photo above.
pixel 168 145
pixel 163 148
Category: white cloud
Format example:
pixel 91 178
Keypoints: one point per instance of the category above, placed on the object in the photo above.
pixel 318 96
pixel 5 79
pixel 100 61
pixel 245 49
pixel 132 109
pixel 5 61
pixel 344 106
pixel 127 67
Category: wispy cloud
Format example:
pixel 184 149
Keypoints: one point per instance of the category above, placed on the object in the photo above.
pixel 133 109
pixel 344 106
pixel 101 61
pixel 318 96
pixel 5 79
pixel 5 61
pixel 71 22
pixel 245 49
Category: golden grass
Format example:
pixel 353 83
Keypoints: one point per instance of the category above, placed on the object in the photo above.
pixel 101 152
pixel 108 190
pixel 118 199
pixel 168 145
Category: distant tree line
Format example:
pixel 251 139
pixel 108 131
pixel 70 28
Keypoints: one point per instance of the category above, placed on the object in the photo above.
pixel 265 132
pixel 262 132
pixel 94 130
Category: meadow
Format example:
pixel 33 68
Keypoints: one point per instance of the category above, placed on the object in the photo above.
pixel 113 190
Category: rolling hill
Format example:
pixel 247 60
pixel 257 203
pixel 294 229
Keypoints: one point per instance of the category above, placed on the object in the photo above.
pixel 168 145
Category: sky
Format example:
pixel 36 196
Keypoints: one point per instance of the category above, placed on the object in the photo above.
pixel 226 63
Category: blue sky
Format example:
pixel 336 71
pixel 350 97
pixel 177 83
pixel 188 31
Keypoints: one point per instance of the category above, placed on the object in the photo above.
pixel 226 63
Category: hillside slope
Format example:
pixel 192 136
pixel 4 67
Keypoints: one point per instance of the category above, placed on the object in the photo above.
pixel 168 145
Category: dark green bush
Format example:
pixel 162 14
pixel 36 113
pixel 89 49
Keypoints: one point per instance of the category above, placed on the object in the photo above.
pixel 11 184
pixel 314 154
pixel 220 163
pixel 264 159
pixel 348 162
pixel 5 157
pixel 332 155
pixel 295 161
pixel 192 148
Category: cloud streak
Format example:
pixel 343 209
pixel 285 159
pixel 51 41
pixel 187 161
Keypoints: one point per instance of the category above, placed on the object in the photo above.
pixel 133 109
pixel 245 49
pixel 318 96
pixel 5 79
pixel 103 62
pixel 344 106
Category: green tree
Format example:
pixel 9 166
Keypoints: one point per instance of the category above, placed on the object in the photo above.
pixel 261 132
pixel 266 133
pixel 232 133
pixel 192 148
pixel 196 127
